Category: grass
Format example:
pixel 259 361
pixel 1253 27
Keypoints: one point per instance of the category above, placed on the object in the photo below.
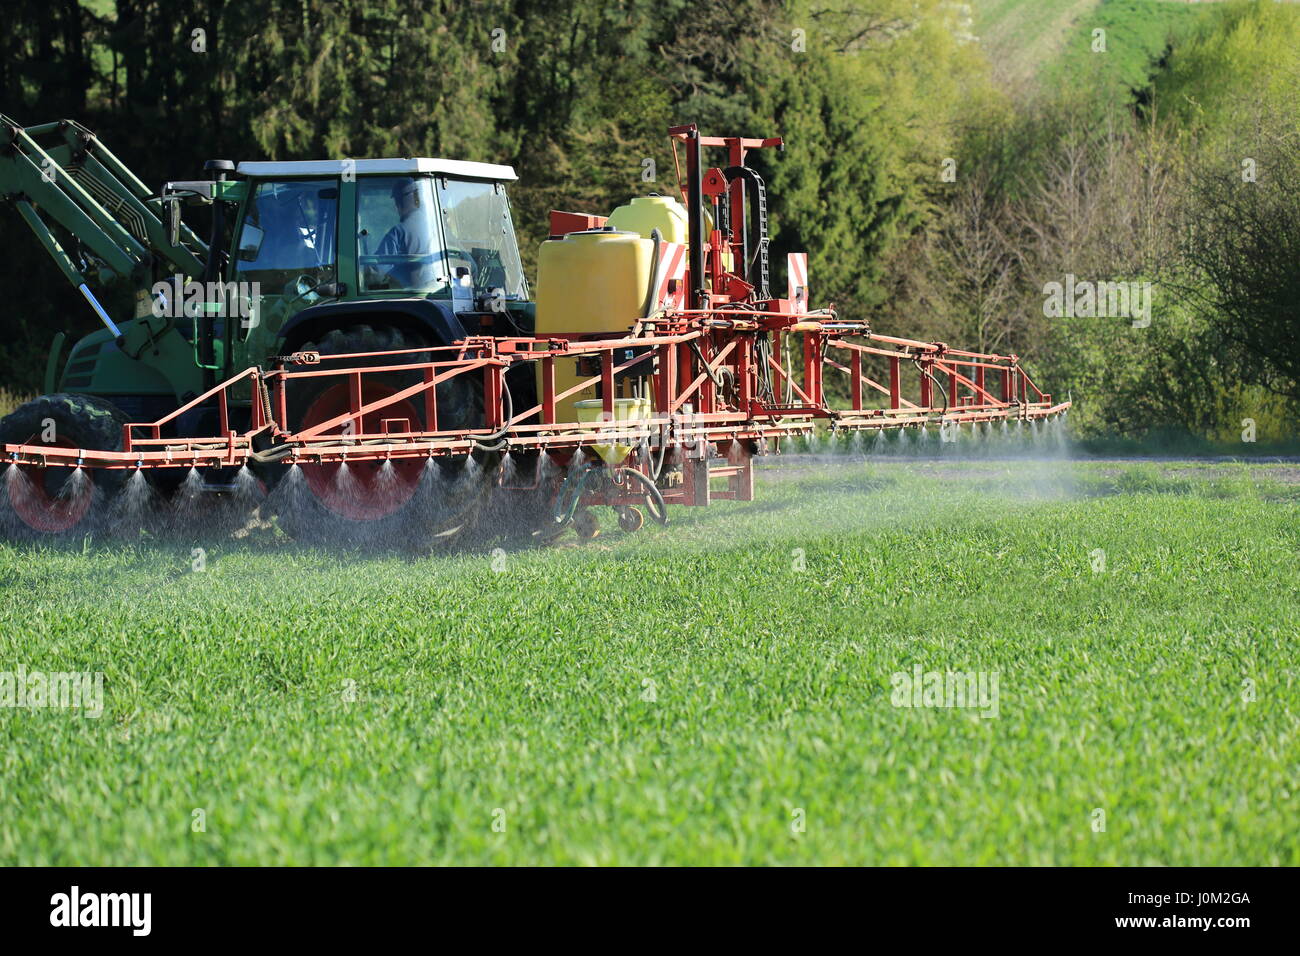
pixel 10 400
pixel 676 696
pixel 1052 40
pixel 1020 36
pixel 1138 34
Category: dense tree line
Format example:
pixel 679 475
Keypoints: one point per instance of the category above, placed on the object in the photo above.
pixel 931 198
pixel 1182 175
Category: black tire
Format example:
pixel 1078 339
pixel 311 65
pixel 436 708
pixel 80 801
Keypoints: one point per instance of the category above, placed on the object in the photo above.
pixel 81 421
pixel 447 493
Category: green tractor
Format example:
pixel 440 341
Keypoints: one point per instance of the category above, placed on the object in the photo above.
pixel 333 257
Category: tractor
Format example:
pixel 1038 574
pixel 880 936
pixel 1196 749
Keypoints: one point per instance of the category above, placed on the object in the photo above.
pixel 324 258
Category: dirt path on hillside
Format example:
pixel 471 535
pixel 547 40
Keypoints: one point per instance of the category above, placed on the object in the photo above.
pixel 1016 62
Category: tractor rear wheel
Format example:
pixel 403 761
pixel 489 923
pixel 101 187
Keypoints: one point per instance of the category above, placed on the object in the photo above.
pixel 60 502
pixel 409 501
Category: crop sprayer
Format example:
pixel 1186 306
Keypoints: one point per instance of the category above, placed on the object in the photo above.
pixel 359 337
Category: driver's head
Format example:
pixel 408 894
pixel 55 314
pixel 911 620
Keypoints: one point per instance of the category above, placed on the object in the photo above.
pixel 406 196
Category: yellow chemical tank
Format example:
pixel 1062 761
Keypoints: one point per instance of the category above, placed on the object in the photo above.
pixel 590 282
pixel 644 214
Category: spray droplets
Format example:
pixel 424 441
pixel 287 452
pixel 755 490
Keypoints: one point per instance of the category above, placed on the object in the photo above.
pixel 1033 439
pixel 124 504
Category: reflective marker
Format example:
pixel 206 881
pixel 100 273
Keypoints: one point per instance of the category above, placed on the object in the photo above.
pixel 99 309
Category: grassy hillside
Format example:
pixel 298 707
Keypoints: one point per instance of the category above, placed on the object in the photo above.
pixel 1137 35
pixel 1052 40
pixel 1021 36
pixel 689 694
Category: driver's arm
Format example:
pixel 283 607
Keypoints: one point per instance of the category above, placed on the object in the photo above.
pixel 396 243
pixel 393 244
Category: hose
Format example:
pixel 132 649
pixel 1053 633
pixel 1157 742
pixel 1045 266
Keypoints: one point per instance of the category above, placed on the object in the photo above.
pixel 699 354
pixel 654 499
pixel 657 467
pixel 930 375
pixel 766 388
pixel 649 307
pixel 566 503
pixel 271 455
pixel 494 441
pixel 570 496
pixel 788 392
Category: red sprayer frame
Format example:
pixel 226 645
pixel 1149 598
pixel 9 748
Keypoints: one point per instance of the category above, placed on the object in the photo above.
pixel 721 378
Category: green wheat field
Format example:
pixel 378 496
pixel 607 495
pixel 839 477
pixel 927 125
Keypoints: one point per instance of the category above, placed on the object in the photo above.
pixel 713 692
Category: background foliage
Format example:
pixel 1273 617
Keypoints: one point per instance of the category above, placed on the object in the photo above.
pixel 1068 159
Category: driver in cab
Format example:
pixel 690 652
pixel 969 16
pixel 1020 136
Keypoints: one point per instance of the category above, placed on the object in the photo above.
pixel 412 236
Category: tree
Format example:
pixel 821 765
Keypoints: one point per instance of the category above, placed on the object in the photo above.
pixel 1243 250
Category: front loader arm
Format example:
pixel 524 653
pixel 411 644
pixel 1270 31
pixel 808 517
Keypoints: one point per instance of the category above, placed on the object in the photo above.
pixel 79 184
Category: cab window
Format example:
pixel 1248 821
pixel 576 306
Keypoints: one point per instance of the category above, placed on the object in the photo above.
pixel 398 246
pixel 289 236
pixel 481 245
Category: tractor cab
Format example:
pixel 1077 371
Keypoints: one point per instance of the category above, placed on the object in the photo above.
pixel 347 231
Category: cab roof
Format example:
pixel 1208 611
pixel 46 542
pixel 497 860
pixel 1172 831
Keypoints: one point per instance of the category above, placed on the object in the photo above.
pixel 379 167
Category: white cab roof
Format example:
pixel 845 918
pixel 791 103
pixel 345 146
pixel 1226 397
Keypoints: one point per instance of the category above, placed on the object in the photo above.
pixel 380 167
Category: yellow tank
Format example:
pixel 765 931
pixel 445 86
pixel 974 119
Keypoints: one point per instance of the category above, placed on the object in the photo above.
pixel 644 214
pixel 625 410
pixel 589 282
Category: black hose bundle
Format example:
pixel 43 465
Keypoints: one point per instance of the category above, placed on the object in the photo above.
pixel 495 441
pixel 570 496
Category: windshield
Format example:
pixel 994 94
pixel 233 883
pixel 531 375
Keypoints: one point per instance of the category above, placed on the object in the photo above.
pixel 480 236
pixel 288 232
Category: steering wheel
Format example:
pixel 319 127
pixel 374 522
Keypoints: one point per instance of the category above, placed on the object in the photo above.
pixel 302 287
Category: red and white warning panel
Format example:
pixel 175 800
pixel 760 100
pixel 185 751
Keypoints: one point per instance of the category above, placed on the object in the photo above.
pixel 670 279
pixel 797 280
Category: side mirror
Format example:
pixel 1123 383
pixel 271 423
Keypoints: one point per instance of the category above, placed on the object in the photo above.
pixel 250 242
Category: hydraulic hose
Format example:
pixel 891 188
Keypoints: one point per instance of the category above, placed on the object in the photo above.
pixel 930 375
pixel 699 354
pixel 654 499
pixel 657 467
pixel 649 306
pixel 494 441
pixel 271 455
